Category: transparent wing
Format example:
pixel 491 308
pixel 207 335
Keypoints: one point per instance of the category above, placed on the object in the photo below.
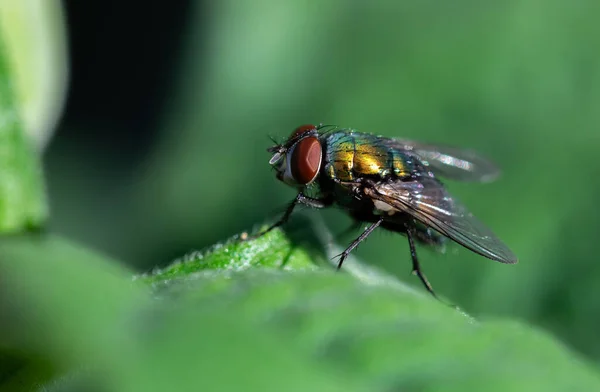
pixel 450 162
pixel 428 202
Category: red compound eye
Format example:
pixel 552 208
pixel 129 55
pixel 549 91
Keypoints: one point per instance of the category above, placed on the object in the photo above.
pixel 305 160
pixel 302 129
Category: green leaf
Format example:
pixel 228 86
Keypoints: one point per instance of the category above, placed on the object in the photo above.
pixel 273 250
pixel 374 328
pixel 379 337
pixel 233 319
pixel 62 300
pixel 22 193
pixel 34 35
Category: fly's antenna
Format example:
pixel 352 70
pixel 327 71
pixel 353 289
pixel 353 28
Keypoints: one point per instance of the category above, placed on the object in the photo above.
pixel 323 127
pixel 276 145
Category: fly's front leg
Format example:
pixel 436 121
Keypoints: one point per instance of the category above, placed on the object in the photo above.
pixel 300 199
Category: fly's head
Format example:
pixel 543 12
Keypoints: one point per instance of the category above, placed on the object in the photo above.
pixel 297 161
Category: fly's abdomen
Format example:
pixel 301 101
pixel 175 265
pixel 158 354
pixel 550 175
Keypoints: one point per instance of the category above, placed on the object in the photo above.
pixel 352 155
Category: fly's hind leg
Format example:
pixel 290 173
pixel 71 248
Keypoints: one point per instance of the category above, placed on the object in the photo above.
pixel 300 199
pixel 357 241
pixel 410 233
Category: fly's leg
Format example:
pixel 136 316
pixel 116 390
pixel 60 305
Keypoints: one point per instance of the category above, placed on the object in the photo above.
pixel 357 241
pixel 410 232
pixel 300 199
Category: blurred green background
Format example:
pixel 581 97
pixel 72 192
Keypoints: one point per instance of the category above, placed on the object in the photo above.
pixel 161 144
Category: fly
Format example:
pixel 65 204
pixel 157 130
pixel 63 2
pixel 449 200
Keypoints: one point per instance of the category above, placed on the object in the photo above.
pixel 389 183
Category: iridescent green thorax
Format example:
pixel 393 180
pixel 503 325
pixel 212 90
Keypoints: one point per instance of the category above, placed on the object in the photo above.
pixel 350 155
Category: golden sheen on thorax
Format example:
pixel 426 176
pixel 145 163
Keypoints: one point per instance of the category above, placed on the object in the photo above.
pixel 367 161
